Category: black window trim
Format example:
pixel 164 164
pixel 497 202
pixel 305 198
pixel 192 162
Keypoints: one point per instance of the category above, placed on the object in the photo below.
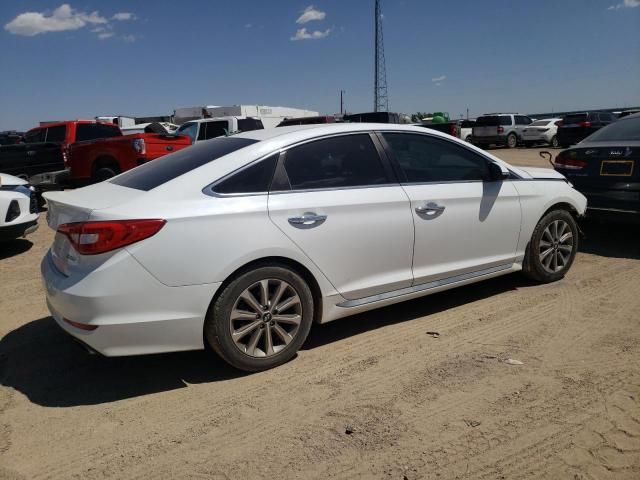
pixel 210 189
pixel 402 175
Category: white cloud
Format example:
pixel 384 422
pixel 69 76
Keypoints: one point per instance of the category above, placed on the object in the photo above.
pixel 625 4
pixel 62 19
pixel 123 16
pixel 248 25
pixel 310 14
pixel 439 80
pixel 105 35
pixel 303 34
pixel 129 38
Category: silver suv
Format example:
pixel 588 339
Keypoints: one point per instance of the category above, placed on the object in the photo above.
pixel 499 129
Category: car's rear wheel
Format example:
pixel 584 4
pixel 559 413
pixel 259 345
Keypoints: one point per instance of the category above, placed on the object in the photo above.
pixel 512 140
pixel 554 142
pixel 552 247
pixel 261 318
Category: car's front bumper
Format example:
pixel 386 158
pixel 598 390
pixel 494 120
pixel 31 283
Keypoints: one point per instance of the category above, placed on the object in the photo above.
pixel 134 313
pixel 11 232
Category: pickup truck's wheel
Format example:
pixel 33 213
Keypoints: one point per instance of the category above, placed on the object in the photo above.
pixel 512 140
pixel 260 319
pixel 104 173
pixel 552 247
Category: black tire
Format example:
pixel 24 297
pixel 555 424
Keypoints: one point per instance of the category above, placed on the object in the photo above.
pixel 554 142
pixel 512 140
pixel 218 324
pixel 533 266
pixel 104 173
pixel 469 139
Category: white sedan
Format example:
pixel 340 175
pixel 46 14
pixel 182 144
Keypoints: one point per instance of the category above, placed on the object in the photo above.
pixel 18 208
pixel 243 242
pixel 541 131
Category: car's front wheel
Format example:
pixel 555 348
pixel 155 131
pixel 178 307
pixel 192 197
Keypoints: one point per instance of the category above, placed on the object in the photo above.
pixel 552 247
pixel 261 318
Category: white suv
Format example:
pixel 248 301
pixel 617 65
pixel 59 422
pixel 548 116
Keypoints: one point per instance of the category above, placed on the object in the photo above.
pixel 244 241
pixel 500 129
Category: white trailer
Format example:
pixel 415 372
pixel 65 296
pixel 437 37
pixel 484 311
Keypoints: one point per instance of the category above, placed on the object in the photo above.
pixel 270 116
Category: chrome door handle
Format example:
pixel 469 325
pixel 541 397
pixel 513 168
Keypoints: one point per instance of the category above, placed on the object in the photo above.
pixel 307 219
pixel 430 208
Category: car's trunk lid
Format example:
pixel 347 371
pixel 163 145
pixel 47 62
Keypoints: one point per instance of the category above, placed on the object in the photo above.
pixel 74 206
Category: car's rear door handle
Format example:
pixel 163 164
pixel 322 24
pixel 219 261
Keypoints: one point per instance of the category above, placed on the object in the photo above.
pixel 307 219
pixel 430 208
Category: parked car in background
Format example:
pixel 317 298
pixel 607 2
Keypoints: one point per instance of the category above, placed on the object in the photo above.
pixel 11 137
pixel 100 159
pixel 18 208
pixel 626 113
pixel 377 117
pixel 499 129
pixel 577 126
pixel 243 242
pixel 208 128
pixel 307 121
pixel 465 130
pixel 449 127
pixel 541 131
pixel 46 148
pixel 150 127
pixel 605 167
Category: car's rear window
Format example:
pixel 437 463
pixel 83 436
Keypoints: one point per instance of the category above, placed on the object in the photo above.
pixel 539 123
pixel 155 173
pixel 575 118
pixel 625 130
pixel 493 121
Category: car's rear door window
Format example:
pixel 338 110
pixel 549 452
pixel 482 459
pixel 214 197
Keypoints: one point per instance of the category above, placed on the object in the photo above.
pixel 153 174
pixel 215 129
pixel 335 162
pixel 425 159
pixel 574 118
pixel 255 178
pixel 35 136
pixel 57 134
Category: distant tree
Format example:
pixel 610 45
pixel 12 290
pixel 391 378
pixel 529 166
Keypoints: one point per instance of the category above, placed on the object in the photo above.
pixel 416 117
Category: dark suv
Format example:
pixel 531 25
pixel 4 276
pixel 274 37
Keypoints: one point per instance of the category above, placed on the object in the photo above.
pixel 577 126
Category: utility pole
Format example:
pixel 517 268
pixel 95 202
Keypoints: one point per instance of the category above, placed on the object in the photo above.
pixel 380 98
pixel 342 92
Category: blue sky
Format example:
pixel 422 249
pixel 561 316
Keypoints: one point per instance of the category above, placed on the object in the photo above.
pixel 154 56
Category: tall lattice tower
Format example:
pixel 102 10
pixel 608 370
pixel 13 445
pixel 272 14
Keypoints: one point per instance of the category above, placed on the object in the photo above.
pixel 380 97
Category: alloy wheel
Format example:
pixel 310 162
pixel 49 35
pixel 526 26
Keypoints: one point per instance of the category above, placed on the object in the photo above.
pixel 556 246
pixel 265 318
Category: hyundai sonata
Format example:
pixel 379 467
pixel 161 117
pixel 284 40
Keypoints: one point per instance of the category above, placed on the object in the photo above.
pixel 243 242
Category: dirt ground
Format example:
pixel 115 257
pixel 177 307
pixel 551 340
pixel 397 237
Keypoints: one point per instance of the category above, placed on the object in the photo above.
pixel 371 396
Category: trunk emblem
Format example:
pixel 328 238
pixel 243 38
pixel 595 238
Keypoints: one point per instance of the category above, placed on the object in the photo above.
pixel 169 148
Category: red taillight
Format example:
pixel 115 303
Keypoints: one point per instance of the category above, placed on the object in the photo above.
pixel 585 124
pixel 453 130
pixel 81 326
pixel 500 130
pixel 65 153
pixel 139 146
pixel 570 163
pixel 91 238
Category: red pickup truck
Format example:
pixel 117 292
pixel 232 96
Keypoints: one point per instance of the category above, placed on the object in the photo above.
pixel 94 151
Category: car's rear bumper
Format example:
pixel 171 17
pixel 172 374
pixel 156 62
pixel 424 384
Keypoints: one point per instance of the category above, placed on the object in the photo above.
pixel 493 139
pixel 11 232
pixel 134 313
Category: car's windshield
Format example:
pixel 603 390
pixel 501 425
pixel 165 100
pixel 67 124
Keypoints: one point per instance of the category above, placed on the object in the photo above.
pixel 189 128
pixel 624 130
pixel 575 118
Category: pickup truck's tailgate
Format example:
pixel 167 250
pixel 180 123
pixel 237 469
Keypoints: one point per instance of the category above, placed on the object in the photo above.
pixel 158 145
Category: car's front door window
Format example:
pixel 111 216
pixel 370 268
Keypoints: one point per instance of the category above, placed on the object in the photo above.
pixel 427 159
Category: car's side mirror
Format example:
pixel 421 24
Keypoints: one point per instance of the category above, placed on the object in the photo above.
pixel 497 172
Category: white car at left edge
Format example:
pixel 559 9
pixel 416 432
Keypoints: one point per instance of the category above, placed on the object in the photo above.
pixel 18 208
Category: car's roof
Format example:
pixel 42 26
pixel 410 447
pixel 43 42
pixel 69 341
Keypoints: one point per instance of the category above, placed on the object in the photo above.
pixel 317 130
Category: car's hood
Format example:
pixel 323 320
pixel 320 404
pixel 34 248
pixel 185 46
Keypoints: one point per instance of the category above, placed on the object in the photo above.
pixel 10 180
pixel 537 172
